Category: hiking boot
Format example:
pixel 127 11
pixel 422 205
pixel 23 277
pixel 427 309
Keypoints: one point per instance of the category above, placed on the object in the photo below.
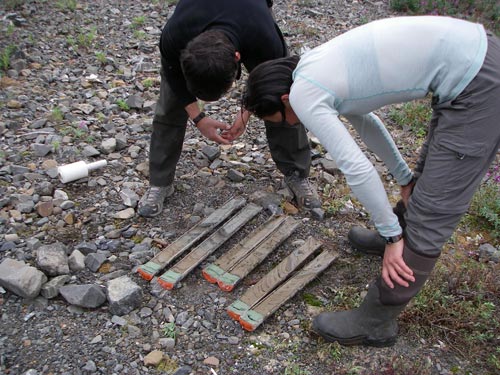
pixel 366 241
pixel 304 192
pixel 151 203
pixel 369 241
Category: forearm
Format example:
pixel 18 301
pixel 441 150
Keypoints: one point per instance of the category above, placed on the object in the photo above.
pixel 193 110
pixel 375 135
pixel 313 107
pixel 360 174
pixel 243 116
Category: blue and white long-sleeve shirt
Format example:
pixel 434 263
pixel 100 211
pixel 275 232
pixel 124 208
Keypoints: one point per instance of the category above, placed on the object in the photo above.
pixel 383 62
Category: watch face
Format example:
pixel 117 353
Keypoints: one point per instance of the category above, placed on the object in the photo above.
pixel 393 239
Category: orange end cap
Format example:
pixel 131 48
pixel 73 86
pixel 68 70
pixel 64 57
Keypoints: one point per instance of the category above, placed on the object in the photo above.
pixel 247 326
pixel 233 315
pixel 144 274
pixel 225 287
pixel 208 277
pixel 165 285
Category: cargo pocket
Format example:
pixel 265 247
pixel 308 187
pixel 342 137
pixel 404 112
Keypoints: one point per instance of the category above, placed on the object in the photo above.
pixel 451 174
pixel 460 171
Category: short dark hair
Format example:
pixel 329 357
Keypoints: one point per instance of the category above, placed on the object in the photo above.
pixel 209 65
pixel 267 83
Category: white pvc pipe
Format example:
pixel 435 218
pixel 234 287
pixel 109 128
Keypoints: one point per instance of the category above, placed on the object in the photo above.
pixel 80 169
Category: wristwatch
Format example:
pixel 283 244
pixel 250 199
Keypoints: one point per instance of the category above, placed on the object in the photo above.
pixel 393 239
pixel 198 118
pixel 409 182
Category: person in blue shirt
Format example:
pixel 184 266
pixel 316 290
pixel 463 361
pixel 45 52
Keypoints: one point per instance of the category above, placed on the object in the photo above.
pixel 390 61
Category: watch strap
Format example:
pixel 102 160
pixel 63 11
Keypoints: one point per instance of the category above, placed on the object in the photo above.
pixel 198 118
pixel 393 239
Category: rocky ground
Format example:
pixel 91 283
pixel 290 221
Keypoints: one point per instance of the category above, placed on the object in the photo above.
pixel 81 85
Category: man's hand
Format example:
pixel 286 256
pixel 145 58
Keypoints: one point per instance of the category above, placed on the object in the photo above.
pixel 234 132
pixel 210 129
pixel 238 127
pixel 394 269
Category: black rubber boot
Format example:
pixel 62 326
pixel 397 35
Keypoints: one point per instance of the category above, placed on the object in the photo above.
pixel 369 241
pixel 374 322
pixel 371 324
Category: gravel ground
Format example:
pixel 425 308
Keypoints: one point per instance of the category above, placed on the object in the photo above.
pixel 62 101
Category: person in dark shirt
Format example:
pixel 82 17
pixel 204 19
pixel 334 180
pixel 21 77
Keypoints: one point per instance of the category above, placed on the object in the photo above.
pixel 202 47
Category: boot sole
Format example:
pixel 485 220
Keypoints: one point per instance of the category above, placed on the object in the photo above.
pixel 359 340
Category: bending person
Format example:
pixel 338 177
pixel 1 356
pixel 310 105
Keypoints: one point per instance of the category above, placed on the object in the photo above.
pixel 384 62
pixel 202 48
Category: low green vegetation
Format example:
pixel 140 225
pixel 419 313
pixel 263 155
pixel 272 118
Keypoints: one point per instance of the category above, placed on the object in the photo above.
pixel 413 115
pixel 84 39
pixel 66 5
pixel 77 131
pixel 484 211
pixel 148 83
pixel 312 300
pixel 10 29
pixel 294 369
pixel 138 21
pixel 123 105
pixel 486 12
pixel 139 35
pixel 459 308
pixel 169 330
pixel 13 4
pixel 57 114
pixel 101 57
pixel 5 56
pixel 168 365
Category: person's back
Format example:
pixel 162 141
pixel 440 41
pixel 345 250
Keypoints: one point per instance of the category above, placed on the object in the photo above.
pixel 247 26
pixel 395 60
pixel 248 23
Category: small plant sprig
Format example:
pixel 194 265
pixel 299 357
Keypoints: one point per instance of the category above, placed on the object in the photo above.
pixel 169 330
pixel 138 21
pixel 11 29
pixel 123 105
pixel 78 131
pixel 139 34
pixel 101 57
pixel 5 56
pixel 86 38
pixel 148 83
pixel 57 114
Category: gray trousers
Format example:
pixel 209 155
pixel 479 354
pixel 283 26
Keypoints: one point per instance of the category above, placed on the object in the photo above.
pixel 289 145
pixel 463 139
